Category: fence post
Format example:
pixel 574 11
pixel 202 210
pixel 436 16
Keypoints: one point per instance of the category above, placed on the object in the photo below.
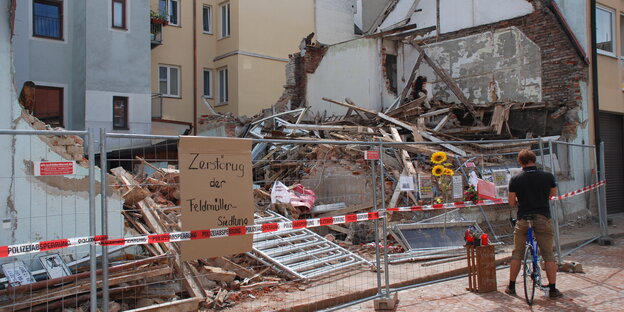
pixel 104 209
pixel 384 222
pixel 555 212
pixel 602 201
pixel 376 208
pixel 541 148
pixel 92 229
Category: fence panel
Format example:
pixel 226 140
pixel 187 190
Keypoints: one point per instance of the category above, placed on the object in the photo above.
pixel 576 212
pixel 48 190
pixel 298 268
pixel 353 227
pixel 427 226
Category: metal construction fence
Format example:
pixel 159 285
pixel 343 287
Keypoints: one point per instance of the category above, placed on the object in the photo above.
pixel 363 227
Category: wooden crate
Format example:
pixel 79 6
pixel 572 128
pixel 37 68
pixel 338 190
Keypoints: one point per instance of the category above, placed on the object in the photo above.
pixel 481 268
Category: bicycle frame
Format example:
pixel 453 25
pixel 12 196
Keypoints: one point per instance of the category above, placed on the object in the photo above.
pixel 536 274
pixel 533 243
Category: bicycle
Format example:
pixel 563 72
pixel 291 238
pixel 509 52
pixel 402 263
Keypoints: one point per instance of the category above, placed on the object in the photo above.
pixel 531 271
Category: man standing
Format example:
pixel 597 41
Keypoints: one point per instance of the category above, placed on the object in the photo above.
pixel 531 190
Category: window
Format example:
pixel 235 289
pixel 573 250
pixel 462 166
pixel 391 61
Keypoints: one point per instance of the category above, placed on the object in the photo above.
pixel 207 83
pixel 207 14
pixel 174 12
pixel 120 113
pixel 604 31
pixel 171 9
pixel 48 19
pixel 169 81
pixel 48 105
pixel 223 86
pixel 119 14
pixel 622 34
pixel 225 20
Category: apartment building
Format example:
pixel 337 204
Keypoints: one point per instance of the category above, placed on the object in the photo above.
pixel 89 61
pixel 610 51
pixel 229 54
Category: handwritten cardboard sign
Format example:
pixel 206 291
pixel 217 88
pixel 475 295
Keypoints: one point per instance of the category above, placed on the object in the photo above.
pixel 216 192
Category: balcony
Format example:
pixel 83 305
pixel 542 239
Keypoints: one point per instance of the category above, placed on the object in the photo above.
pixel 156 33
pixel 157 103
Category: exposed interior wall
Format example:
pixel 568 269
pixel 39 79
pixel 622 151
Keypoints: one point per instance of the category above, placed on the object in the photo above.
pixel 492 66
pixel 346 63
pixel 39 208
pixel 576 15
pixel 335 20
pixel 458 14
pixel 370 10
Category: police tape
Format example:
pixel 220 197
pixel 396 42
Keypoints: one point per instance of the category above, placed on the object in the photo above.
pixel 466 204
pixel 496 201
pixel 21 249
pixel 580 191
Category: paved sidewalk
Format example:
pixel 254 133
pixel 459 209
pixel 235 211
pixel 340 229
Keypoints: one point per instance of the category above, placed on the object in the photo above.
pixel 601 288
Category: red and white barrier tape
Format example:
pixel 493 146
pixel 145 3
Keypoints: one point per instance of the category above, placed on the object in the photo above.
pixel 21 249
pixel 496 201
pixel 580 191
pixel 467 204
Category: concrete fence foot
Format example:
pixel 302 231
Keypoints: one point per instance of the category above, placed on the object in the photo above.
pixel 387 304
pixel 605 241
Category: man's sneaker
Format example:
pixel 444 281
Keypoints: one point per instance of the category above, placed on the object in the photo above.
pixel 554 294
pixel 510 291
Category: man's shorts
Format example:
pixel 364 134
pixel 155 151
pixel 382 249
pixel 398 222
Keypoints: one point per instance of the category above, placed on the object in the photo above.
pixel 542 232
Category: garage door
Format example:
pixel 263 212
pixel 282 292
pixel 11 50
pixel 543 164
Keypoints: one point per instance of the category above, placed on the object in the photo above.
pixel 611 128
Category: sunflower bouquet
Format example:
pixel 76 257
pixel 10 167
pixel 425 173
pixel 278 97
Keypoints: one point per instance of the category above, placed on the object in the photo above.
pixel 444 175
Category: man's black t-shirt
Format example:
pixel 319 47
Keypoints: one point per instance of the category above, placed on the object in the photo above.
pixel 532 188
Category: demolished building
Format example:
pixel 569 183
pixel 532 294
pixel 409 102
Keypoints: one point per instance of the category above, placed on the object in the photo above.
pixel 520 56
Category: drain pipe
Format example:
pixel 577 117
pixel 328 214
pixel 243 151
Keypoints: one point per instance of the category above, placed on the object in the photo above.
pixel 594 69
pixel 194 67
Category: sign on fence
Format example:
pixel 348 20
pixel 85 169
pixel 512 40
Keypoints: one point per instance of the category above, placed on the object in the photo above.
pixel 52 168
pixel 17 274
pixel 371 155
pixel 216 192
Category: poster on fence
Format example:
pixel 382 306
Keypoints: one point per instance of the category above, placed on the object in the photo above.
pixel 215 192
pixel 425 185
pixel 458 188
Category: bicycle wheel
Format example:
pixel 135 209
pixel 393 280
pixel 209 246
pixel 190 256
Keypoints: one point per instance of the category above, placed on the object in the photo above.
pixel 527 274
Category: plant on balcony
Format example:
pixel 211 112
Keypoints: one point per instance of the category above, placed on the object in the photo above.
pixel 159 18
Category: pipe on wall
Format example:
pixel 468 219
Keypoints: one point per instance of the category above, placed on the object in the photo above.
pixel 194 67
pixel 594 69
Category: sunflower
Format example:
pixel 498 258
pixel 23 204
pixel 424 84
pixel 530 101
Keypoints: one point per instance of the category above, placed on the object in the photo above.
pixel 438 157
pixel 449 172
pixel 437 170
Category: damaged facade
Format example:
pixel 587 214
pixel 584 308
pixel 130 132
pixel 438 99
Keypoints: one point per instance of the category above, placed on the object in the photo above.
pixel 518 55
pixel 35 207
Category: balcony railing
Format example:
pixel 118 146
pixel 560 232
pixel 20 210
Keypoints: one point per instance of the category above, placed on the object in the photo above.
pixel 156 34
pixel 157 104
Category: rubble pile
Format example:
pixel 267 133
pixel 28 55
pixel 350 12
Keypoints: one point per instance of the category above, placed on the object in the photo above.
pixel 151 205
